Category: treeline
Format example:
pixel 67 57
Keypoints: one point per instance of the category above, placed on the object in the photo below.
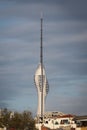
pixel 16 121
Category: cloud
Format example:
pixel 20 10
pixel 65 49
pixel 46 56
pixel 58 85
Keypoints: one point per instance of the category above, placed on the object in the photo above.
pixel 69 96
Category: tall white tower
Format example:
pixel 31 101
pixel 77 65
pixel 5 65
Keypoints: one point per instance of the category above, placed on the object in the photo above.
pixel 41 82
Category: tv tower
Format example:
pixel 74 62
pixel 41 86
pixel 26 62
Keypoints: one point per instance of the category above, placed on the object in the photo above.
pixel 41 81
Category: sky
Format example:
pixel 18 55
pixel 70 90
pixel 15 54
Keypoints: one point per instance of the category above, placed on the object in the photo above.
pixel 64 54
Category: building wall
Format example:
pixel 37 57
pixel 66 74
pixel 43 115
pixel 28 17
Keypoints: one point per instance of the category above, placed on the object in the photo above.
pixel 84 128
pixel 44 128
pixel 78 128
pixel 1 128
pixel 56 123
pixel 81 128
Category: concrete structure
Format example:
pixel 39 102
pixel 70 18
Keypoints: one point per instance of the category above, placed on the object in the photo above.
pixel 39 88
pixel 41 83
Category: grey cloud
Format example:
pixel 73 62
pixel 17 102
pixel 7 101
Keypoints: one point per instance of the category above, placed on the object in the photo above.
pixel 22 8
pixel 66 99
pixel 77 9
pixel 3 105
pixel 25 9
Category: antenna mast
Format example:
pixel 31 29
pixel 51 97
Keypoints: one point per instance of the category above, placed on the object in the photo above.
pixel 41 61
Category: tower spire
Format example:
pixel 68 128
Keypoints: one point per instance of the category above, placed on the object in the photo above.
pixel 41 44
pixel 41 61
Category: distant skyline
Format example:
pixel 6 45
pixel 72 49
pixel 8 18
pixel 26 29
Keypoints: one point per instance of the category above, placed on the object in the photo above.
pixel 64 54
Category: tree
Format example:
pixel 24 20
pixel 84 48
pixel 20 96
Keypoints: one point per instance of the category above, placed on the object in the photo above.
pixel 19 121
pixel 5 117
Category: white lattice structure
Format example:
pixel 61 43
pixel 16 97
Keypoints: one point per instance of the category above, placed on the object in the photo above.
pixel 38 84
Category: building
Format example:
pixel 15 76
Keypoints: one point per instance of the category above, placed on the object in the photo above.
pixel 58 121
pixel 81 121
pixel 63 122
pixel 41 83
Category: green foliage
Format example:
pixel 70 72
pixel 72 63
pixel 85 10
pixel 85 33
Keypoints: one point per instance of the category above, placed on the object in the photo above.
pixel 19 121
